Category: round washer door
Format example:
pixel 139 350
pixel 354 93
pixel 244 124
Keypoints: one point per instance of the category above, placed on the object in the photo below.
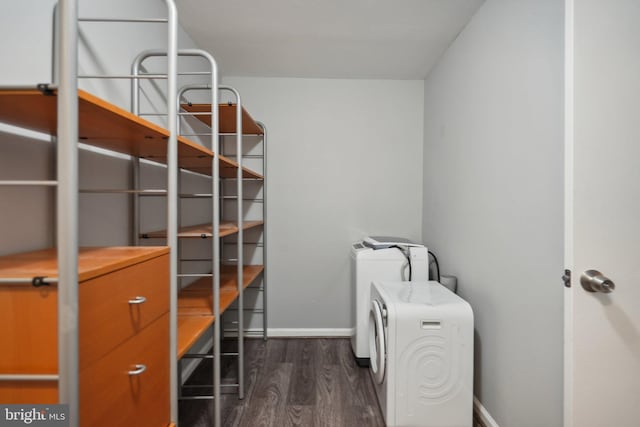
pixel 377 347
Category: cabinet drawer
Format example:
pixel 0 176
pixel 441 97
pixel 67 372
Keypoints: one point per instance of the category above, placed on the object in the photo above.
pixel 109 396
pixel 108 318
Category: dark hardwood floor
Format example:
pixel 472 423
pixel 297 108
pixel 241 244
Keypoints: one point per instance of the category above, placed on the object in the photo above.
pixel 291 382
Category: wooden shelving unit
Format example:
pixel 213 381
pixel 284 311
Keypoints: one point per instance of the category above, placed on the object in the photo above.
pixel 107 126
pixel 196 299
pixel 104 125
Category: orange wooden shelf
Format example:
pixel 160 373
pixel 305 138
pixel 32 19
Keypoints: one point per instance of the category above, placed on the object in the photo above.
pixel 245 225
pixel 226 118
pixel 92 262
pixel 107 126
pixel 204 231
pixel 190 329
pixel 201 231
pixel 195 303
pixel 196 299
pixel 249 274
pixel 251 224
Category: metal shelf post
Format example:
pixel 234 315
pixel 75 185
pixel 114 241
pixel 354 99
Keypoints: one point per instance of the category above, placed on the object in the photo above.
pixel 264 230
pixel 67 210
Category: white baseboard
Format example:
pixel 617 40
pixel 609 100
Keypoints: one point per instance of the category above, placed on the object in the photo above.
pixel 482 414
pixel 294 333
pixel 308 332
pixel 248 333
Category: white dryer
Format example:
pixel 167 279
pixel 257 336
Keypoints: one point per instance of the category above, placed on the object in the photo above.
pixel 369 264
pixel 421 350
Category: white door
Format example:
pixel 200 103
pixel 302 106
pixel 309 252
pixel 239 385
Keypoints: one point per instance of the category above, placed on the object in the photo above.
pixel 602 342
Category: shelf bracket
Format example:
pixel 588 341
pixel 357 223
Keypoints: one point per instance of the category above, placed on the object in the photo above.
pixel 39 281
pixel 45 89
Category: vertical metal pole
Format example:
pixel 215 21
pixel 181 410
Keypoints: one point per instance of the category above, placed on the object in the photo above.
pixel 55 44
pixel 264 230
pixel 55 63
pixel 135 201
pixel 215 199
pixel 240 251
pixel 172 200
pixel 135 161
pixel 179 380
pixel 67 209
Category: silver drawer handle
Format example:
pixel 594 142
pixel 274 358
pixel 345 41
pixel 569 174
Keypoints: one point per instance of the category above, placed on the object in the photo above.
pixel 139 369
pixel 137 300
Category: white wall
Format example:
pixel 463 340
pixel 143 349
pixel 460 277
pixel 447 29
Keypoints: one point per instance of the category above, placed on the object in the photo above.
pixel 103 49
pixel 493 199
pixel 345 161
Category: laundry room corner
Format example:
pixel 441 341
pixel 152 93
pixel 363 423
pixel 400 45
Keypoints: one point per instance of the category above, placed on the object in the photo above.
pixel 357 146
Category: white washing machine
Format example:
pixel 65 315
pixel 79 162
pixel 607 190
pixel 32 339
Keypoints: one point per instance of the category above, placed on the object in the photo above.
pixel 421 349
pixel 367 265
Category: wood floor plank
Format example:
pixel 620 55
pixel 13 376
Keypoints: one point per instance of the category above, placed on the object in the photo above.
pixel 291 382
pixel 298 416
pixel 276 351
pixel 302 387
pixel 362 416
pixel 231 415
pixel 330 402
pixel 356 380
pixel 329 349
pixel 269 401
pixel 256 349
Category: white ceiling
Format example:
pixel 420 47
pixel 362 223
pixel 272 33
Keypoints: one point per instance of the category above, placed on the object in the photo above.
pixel 388 39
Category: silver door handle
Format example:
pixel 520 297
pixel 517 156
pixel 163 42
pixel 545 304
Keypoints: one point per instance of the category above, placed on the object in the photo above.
pixel 594 281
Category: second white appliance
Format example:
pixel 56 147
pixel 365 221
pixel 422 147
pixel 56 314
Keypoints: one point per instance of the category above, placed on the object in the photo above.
pixel 421 348
pixel 367 265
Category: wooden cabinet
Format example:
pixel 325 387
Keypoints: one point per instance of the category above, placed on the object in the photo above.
pixel 124 326
pixel 123 293
pixel 112 394
pixel 117 306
